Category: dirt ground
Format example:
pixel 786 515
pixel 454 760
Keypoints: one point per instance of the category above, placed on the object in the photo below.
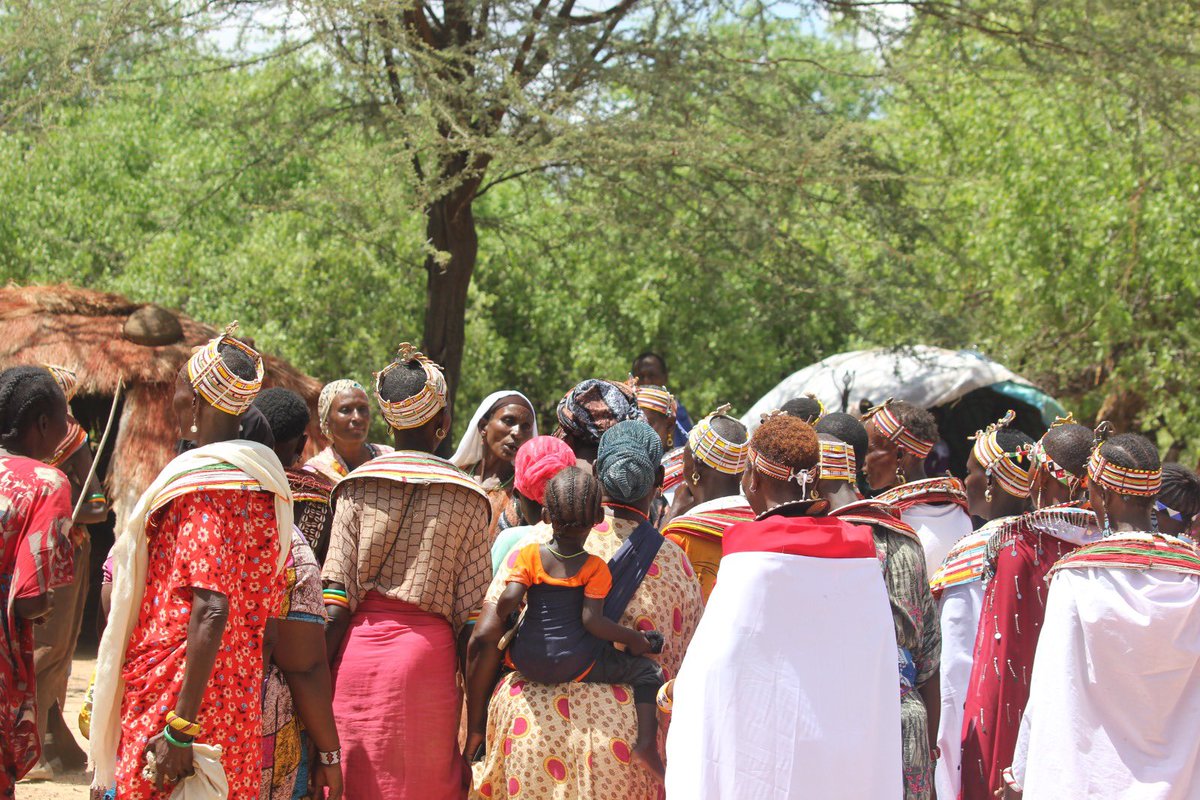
pixel 66 786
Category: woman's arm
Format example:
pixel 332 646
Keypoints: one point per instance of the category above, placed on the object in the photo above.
pixel 299 653
pixel 338 625
pixel 206 626
pixel 602 627
pixel 483 665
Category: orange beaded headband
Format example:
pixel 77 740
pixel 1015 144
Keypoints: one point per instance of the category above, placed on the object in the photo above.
pixel 66 379
pixel 998 464
pixel 782 472
pixel 1122 480
pixel 895 432
pixel 415 411
pixel 837 462
pixel 657 399
pixel 76 438
pixel 216 383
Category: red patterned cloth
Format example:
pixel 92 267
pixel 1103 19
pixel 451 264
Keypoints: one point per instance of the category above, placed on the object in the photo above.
pixel 36 555
pixel 222 541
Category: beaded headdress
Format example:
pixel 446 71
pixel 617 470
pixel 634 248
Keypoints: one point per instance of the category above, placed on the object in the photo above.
pixel 782 472
pixel 1001 466
pixel 1122 480
pixel 415 411
pixel 890 427
pixel 1040 458
pixel 76 438
pixel 657 399
pixel 714 450
pixel 837 462
pixel 216 383
pixel 66 379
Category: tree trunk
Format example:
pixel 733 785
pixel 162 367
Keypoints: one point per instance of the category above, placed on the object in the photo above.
pixel 450 228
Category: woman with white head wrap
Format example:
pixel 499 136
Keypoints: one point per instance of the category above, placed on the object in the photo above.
pixel 503 422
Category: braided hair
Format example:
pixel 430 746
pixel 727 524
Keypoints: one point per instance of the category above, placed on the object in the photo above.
pixel 1016 441
pixel 1180 489
pixel 238 362
pixel 572 497
pixel 1131 451
pixel 804 407
pixel 848 429
pixel 1070 446
pixel 285 411
pixel 26 393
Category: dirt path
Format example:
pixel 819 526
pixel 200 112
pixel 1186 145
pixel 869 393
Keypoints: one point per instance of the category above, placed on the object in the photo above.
pixel 66 786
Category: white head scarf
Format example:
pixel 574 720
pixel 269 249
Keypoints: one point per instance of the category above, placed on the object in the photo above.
pixel 470 449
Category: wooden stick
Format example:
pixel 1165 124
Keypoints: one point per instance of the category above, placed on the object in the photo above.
pixel 112 415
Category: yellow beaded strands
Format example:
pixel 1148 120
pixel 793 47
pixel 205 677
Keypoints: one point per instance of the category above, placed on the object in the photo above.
pixel 838 463
pixel 657 399
pixel 413 412
pixel 216 383
pixel 715 451
pixel 999 465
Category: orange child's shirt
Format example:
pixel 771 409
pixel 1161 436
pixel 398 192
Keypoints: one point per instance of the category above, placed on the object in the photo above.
pixel 594 577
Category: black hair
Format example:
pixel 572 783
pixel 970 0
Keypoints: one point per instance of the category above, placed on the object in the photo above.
pixel 238 362
pixel 571 498
pixel 1131 451
pixel 803 407
pixel 848 429
pixel 26 393
pixel 730 429
pixel 647 355
pixel 1013 440
pixel 920 423
pixel 285 411
pixel 1180 489
pixel 1070 446
pixel 403 382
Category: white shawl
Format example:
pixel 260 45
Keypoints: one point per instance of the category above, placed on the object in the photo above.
pixel 470 449
pixel 130 566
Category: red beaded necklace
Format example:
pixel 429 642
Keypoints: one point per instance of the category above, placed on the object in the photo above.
pixel 630 509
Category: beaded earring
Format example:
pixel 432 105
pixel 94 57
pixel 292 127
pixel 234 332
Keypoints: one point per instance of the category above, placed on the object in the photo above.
pixel 695 478
pixel 901 478
pixel 195 415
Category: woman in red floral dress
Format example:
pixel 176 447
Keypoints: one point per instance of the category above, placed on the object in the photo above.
pixel 36 554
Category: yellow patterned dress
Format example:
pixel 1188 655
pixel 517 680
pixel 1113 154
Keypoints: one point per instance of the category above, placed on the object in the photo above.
pixel 574 741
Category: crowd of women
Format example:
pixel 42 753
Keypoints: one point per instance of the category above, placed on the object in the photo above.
pixel 630 608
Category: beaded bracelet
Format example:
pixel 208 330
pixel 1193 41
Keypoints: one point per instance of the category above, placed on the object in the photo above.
pixel 331 757
pixel 182 725
pixel 335 597
pixel 173 741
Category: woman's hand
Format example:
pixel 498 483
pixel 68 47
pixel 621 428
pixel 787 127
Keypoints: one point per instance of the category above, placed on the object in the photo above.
pixel 34 609
pixel 326 776
pixel 639 646
pixel 171 763
pixel 474 742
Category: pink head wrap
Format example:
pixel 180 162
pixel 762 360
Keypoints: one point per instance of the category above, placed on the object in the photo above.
pixel 539 460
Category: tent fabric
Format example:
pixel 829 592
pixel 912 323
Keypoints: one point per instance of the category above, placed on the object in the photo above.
pixel 923 375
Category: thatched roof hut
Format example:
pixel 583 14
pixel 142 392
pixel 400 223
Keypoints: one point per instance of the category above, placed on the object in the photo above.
pixel 91 333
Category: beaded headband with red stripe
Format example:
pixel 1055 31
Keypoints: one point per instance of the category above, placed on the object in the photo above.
pixel 216 383
pixel 998 464
pixel 66 379
pixel 1041 458
pixel 1122 480
pixel 657 399
pixel 714 450
pixel 76 438
pixel 781 472
pixel 895 431
pixel 415 411
pixel 837 462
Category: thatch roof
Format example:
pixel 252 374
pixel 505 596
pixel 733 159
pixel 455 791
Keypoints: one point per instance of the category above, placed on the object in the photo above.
pixel 82 330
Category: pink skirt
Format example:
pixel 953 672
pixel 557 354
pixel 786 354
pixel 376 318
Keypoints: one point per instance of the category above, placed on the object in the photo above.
pixel 396 703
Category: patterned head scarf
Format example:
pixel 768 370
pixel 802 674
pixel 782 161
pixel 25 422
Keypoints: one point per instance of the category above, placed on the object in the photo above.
pixel 837 462
pixel 539 460
pixel 66 379
pixel 413 412
pixel 999 465
pixel 890 427
pixel 713 450
pixel 325 401
pixel 214 381
pixel 628 459
pixel 594 406
pixel 1114 477
pixel 657 399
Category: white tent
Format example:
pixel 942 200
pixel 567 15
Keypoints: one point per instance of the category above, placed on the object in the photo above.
pixel 925 376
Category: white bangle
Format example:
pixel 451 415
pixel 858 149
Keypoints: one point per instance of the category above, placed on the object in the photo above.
pixel 331 758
